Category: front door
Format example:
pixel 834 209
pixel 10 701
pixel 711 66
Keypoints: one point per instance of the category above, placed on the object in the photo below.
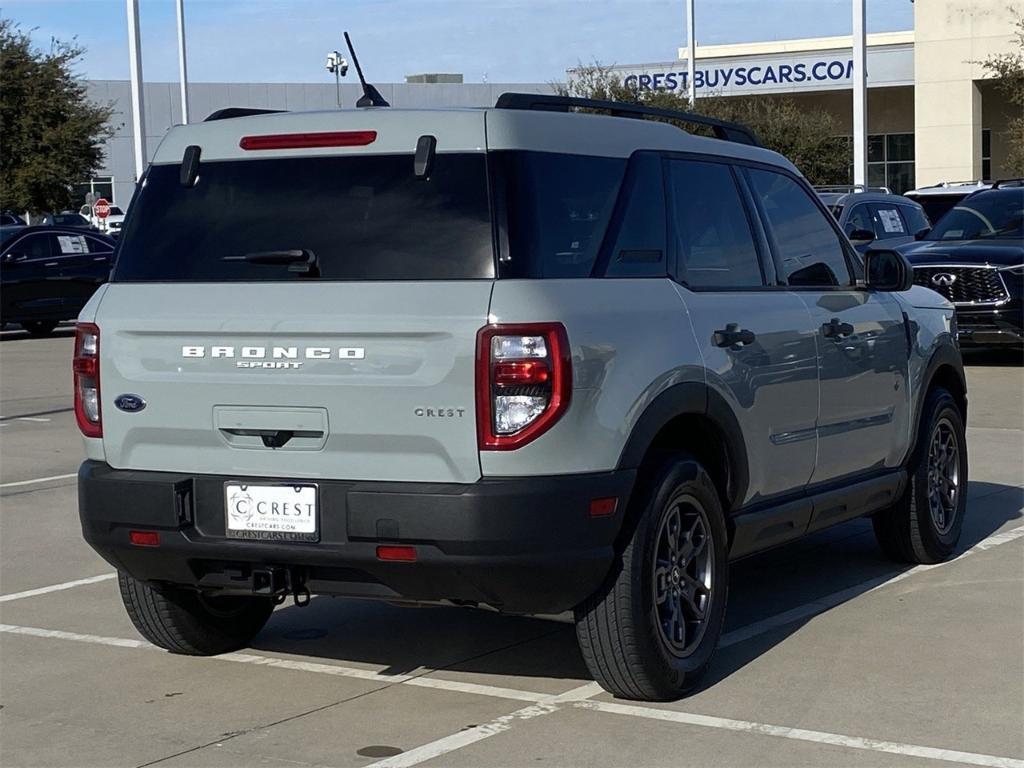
pixel 863 419
pixel 757 342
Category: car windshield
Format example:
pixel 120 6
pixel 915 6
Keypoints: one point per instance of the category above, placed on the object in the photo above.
pixel 998 214
pixel 6 233
pixel 115 211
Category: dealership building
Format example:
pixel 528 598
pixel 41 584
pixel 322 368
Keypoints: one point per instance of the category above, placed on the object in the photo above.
pixel 932 115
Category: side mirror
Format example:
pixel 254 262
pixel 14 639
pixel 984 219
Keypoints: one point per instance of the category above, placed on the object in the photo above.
pixel 921 234
pixel 11 258
pixel 887 271
pixel 862 236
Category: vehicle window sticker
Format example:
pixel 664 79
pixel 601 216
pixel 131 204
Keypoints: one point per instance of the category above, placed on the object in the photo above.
pixel 891 221
pixel 72 244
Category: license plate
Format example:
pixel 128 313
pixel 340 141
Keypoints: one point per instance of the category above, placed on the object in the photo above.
pixel 281 512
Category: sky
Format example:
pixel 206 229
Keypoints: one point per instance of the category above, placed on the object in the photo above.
pixel 487 40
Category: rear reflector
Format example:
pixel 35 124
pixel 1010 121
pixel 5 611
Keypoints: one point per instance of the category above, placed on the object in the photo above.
pixel 400 554
pixel 309 140
pixel 603 507
pixel 144 538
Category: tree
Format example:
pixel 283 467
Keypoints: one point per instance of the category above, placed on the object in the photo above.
pixel 1008 70
pixel 810 137
pixel 51 134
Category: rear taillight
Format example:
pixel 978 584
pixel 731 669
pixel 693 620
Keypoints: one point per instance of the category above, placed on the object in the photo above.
pixel 523 382
pixel 86 366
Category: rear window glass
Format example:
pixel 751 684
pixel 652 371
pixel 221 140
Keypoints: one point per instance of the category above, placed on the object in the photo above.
pixel 364 218
pixel 558 208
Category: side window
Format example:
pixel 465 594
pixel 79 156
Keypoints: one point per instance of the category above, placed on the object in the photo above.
pixel 69 245
pixel 915 218
pixel 98 246
pixel 712 232
pixel 860 218
pixel 888 221
pixel 33 248
pixel 809 250
pixel 639 246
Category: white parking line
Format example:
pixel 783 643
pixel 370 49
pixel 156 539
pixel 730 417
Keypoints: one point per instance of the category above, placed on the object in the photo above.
pixel 823 604
pixel 800 734
pixel 546 705
pixel 34 419
pixel 452 686
pixel 50 479
pixel 540 705
pixel 56 587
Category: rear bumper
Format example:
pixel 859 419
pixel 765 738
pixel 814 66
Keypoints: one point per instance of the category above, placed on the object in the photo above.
pixel 522 545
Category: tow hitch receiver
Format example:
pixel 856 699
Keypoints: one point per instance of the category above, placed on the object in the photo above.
pixel 279 583
pixel 269 581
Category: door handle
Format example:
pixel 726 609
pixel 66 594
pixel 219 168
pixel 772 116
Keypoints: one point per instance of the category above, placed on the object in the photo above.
pixel 835 329
pixel 732 336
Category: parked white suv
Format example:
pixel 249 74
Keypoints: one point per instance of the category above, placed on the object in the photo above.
pixel 521 357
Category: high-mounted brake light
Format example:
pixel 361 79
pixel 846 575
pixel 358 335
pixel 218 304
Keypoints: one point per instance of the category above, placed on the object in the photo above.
pixel 523 382
pixel 86 367
pixel 309 140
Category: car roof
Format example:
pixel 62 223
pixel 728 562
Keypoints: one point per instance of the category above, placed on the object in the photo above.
pixel 951 188
pixel 58 230
pixel 849 198
pixel 456 130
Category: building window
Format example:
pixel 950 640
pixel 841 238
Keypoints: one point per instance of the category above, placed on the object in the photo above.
pixel 100 186
pixel 891 161
pixel 986 154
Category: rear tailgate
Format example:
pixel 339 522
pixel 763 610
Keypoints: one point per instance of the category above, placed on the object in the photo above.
pixel 297 312
pixel 385 371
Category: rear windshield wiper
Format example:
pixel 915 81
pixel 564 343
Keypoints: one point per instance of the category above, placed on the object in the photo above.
pixel 300 260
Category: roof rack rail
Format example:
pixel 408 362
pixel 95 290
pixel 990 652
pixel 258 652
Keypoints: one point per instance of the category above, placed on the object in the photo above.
pixel 1006 183
pixel 851 188
pixel 231 112
pixel 543 102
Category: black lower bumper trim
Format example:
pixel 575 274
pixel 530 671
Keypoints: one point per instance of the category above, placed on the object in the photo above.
pixel 524 545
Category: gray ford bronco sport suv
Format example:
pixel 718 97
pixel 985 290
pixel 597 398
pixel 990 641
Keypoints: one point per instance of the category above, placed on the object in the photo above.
pixel 524 357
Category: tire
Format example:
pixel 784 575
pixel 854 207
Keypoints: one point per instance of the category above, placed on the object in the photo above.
pixel 626 632
pixel 184 621
pixel 924 525
pixel 39 328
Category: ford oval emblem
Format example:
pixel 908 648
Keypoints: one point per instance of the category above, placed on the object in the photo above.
pixel 129 403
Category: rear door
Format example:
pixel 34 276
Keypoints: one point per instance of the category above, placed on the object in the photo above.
pixel 354 360
pixel 757 341
pixel 84 265
pixel 863 411
pixel 31 287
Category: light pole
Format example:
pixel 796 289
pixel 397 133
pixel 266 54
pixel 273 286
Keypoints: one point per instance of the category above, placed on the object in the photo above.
pixel 337 64
pixel 182 68
pixel 138 107
pixel 860 94
pixel 691 54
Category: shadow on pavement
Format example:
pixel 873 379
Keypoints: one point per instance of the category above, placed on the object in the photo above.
pixel 993 358
pixel 406 640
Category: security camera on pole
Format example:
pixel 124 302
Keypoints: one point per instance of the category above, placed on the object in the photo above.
pixel 337 64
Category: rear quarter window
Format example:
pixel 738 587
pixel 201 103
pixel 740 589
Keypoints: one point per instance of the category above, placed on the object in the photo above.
pixel 557 209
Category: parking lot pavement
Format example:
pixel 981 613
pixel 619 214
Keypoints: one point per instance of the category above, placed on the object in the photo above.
pixel 831 655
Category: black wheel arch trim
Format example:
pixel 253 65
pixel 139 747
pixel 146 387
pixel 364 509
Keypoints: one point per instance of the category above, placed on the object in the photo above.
pixel 945 355
pixel 692 399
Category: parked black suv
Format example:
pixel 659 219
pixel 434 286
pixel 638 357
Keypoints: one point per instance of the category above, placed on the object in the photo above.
pixel 47 274
pixel 975 258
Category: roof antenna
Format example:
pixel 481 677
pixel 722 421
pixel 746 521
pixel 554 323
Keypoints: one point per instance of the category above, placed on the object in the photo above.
pixel 371 96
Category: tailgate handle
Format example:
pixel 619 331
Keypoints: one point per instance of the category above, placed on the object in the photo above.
pixel 275 438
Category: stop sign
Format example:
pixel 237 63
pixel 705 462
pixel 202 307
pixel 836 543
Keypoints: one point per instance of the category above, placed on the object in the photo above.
pixel 101 208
